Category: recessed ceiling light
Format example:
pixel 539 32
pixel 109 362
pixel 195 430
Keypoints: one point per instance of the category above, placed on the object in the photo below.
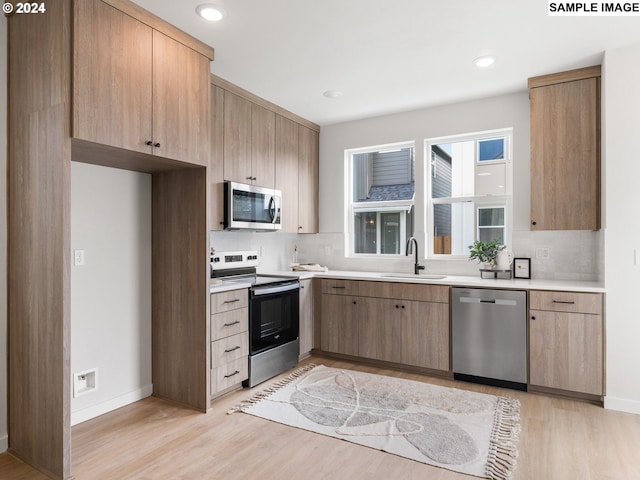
pixel 484 61
pixel 332 93
pixel 210 12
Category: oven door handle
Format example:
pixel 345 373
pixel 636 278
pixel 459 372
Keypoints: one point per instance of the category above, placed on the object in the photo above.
pixel 269 290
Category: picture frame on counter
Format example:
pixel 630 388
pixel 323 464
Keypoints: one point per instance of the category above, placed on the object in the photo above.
pixel 522 267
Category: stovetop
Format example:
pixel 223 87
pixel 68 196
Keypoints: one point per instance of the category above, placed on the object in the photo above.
pixel 256 280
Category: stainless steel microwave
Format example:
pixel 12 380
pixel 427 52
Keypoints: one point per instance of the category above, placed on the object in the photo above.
pixel 251 207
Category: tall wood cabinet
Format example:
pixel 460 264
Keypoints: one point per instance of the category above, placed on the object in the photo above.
pixel 565 150
pixel 50 88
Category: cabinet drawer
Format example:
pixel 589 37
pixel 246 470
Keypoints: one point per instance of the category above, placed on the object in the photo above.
pixel 395 290
pixel 229 323
pixel 229 374
pixel 229 349
pixel 340 287
pixel 566 302
pixel 225 301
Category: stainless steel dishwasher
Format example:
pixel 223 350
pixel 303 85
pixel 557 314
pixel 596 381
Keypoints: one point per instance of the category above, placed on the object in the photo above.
pixel 489 336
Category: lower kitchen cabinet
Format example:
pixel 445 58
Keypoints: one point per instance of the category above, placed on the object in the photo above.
pixel 229 340
pixel 408 332
pixel 339 330
pixel 404 329
pixel 306 316
pixel 566 342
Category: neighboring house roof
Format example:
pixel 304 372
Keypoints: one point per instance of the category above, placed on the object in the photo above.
pixel 382 193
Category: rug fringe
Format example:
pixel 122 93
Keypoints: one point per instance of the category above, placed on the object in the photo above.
pixel 503 451
pixel 274 387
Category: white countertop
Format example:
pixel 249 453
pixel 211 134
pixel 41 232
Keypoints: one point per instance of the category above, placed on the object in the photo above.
pixel 451 280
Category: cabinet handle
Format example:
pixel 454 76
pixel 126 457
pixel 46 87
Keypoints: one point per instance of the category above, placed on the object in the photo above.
pixel 232 349
pixel 232 374
pixel 533 317
pixel 354 302
pixel 570 302
pixel 248 178
pixel 157 145
pixel 149 143
pixel 534 223
pixel 397 306
pixel 301 286
pixel 232 323
pixel 338 287
pixel 232 301
pixel 402 306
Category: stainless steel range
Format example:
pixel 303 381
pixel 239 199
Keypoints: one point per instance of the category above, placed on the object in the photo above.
pixel 274 343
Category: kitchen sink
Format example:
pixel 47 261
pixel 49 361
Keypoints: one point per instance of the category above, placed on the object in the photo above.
pixel 423 276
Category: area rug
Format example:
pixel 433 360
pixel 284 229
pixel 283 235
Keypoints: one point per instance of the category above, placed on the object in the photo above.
pixel 463 431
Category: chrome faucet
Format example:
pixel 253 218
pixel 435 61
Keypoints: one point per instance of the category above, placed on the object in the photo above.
pixel 409 250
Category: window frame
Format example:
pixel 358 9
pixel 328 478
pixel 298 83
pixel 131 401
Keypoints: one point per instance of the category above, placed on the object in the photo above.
pixel 382 206
pixel 479 201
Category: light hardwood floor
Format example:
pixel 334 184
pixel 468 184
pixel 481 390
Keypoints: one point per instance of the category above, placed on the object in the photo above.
pixel 155 439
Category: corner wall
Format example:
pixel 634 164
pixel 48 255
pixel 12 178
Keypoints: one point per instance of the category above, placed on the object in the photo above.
pixel 621 168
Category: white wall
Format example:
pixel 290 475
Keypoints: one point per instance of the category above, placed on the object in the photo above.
pixel 3 238
pixel 111 293
pixel 565 260
pixel 621 123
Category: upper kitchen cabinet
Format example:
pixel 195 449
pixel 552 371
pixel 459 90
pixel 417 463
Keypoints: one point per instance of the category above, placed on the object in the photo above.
pixel 135 87
pixel 565 150
pixel 287 171
pixel 265 145
pixel 307 180
pixel 216 160
pixel 237 138
pixel 249 142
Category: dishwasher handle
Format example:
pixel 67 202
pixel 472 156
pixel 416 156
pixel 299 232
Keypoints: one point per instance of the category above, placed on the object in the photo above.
pixel 492 301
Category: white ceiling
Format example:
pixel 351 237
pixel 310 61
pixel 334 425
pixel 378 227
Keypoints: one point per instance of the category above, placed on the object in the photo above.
pixel 390 56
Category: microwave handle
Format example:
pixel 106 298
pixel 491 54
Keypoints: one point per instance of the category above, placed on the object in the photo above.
pixel 273 209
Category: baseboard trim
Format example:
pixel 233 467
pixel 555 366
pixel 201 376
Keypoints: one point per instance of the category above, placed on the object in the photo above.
pixel 622 405
pixel 110 405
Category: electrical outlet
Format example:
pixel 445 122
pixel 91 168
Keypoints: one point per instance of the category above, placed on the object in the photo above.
pixel 78 258
pixel 542 253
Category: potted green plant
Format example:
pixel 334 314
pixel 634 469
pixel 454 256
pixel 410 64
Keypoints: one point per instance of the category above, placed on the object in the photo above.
pixel 485 252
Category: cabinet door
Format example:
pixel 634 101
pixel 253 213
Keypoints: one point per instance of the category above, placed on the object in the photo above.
pixel 339 329
pixel 237 138
pixel 263 146
pixel 425 335
pixel 216 160
pixel 565 156
pixel 566 351
pixel 180 101
pixel 307 180
pixel 380 328
pixel 112 77
pixel 306 316
pixel 287 171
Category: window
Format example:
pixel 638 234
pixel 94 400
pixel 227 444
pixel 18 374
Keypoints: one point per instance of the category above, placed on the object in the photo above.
pixel 381 192
pixel 468 191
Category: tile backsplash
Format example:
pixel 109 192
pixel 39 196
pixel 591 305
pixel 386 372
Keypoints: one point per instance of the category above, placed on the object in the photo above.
pixel 555 255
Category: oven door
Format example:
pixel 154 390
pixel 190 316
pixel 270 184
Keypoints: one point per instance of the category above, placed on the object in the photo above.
pixel 251 207
pixel 273 316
